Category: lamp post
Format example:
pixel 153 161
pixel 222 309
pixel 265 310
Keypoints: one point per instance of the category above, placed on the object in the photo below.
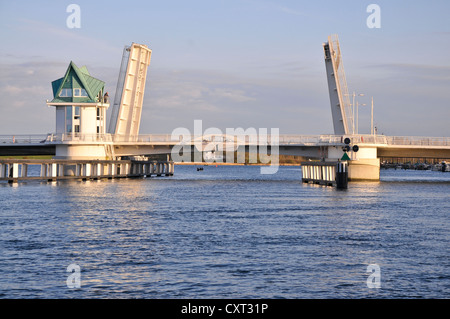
pixel 357 115
pixel 371 119
pixel 353 112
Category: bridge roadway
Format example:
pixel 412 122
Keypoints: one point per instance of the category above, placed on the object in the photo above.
pixel 312 146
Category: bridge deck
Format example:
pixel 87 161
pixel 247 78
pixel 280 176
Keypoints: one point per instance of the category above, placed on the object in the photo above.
pixel 387 146
pixel 168 139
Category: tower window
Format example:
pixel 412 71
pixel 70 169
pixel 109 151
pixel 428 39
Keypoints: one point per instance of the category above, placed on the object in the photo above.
pixel 69 119
pixel 76 113
pixel 65 93
pixel 80 92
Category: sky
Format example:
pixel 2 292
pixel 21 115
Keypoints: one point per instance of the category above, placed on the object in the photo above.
pixel 235 63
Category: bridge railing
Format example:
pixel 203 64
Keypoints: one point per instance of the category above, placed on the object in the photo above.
pixel 165 138
pixel 142 138
pixel 76 137
pixel 366 139
pixel 418 141
pixel 282 139
pixel 331 139
pixel 256 139
pixel 23 139
pixel 394 140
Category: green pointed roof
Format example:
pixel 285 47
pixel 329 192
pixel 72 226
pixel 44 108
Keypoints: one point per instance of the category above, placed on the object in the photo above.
pixel 76 77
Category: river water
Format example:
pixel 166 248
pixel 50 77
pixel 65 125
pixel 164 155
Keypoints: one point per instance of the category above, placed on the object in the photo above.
pixel 227 232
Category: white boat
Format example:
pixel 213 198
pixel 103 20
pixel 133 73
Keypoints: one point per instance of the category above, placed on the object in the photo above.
pixel 441 167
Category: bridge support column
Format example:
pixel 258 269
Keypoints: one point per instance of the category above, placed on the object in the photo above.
pixel 3 170
pixel 171 168
pixel 158 169
pixel 367 169
pixel 111 169
pixel 78 169
pixel 81 151
pixel 363 165
pixel 87 170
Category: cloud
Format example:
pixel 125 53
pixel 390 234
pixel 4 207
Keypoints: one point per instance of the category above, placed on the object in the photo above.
pixel 175 98
pixel 290 11
pixel 9 89
pixel 275 6
pixel 409 99
pixel 16 91
pixel 234 95
pixel 425 71
pixel 195 89
pixel 63 33
pixel 297 104
pixel 174 94
pixel 413 80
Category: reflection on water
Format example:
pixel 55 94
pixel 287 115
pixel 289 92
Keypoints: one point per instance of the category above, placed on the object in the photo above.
pixel 226 232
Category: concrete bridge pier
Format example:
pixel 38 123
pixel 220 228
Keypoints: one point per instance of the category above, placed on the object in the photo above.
pixel 364 165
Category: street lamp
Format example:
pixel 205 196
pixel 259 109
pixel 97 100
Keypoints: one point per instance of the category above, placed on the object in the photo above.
pixel 357 116
pixel 353 112
pixel 371 120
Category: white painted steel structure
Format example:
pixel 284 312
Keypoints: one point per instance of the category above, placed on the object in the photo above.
pixel 127 107
pixel 341 111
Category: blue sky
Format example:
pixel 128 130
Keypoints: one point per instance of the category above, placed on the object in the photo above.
pixel 236 63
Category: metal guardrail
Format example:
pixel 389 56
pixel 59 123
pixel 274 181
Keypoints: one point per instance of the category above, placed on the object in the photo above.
pixel 415 140
pixel 23 139
pixel 282 139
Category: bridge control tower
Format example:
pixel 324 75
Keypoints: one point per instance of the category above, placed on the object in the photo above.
pixel 81 105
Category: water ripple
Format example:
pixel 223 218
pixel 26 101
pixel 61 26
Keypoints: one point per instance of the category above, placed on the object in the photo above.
pixel 226 232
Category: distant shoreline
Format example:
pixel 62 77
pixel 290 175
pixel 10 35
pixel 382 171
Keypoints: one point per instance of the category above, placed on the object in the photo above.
pixel 230 164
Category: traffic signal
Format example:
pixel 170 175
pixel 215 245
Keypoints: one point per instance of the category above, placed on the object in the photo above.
pixel 347 148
